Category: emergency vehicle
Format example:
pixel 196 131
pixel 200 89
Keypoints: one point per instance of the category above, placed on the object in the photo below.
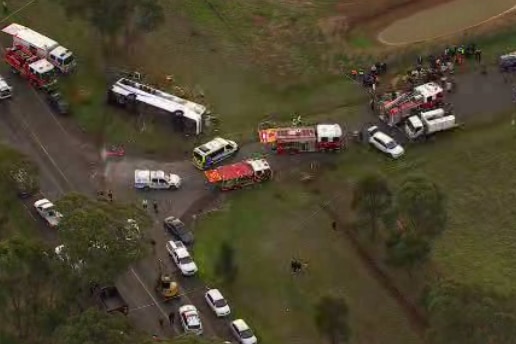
pixel 213 152
pixel 39 72
pixel 6 91
pixel 424 97
pixel 42 46
pixel 429 122
pixel 239 175
pixel 316 138
pixel 184 114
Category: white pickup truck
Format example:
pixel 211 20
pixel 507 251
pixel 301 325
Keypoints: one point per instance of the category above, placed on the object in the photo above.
pixel 47 211
pixel 158 180
pixel 6 91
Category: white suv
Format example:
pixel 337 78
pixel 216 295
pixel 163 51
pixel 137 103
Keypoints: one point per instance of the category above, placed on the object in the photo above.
pixel 384 143
pixel 48 212
pixel 181 257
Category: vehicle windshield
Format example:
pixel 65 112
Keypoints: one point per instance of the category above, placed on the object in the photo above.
pixel 391 144
pixel 48 76
pixel 220 303
pixel 197 156
pixel 195 326
pixel 68 60
pixel 185 260
pixel 165 285
pixel 246 333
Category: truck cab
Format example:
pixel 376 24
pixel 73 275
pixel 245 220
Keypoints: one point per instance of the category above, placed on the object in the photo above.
pixel 158 180
pixel 62 58
pixel 414 127
pixel 6 91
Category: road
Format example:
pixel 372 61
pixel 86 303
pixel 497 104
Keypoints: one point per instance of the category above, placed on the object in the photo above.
pixel 69 163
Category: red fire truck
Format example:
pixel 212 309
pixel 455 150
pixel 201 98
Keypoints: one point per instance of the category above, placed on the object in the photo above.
pixel 393 110
pixel 316 138
pixel 239 175
pixel 39 72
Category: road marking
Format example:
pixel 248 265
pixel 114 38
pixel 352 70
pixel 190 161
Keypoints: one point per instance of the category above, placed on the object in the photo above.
pixel 151 296
pixel 36 139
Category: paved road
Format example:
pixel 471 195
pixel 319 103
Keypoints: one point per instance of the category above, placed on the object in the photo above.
pixel 69 164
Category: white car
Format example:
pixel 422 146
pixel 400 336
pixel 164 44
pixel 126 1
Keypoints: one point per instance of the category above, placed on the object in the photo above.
pixel 181 257
pixel 6 91
pixel 157 180
pixel 243 332
pixel 190 319
pixel 47 211
pixel 217 302
pixel 384 143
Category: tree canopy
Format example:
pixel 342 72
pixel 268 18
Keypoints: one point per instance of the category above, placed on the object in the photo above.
pixel 421 204
pixel 94 326
pixel 113 18
pixel 466 314
pixel 331 318
pixel 372 199
pixel 98 236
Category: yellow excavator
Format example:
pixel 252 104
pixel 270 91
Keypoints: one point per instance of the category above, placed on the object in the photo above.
pixel 165 286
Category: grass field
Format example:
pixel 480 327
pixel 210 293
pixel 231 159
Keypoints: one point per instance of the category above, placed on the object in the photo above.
pixel 267 230
pixel 269 226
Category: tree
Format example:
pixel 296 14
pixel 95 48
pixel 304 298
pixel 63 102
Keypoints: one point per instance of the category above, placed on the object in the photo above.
pixel 407 249
pixel 226 265
pixel 466 314
pixel 32 292
pixel 331 318
pixel 372 199
pixel 98 237
pixel 94 326
pixel 113 18
pixel 421 205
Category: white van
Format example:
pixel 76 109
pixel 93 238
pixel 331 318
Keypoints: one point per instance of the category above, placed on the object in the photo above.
pixel 6 91
pixel 212 152
pixel 158 180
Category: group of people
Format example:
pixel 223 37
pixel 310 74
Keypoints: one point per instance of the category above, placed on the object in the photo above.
pixel 371 78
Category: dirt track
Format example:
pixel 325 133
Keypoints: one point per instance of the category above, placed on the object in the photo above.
pixel 443 20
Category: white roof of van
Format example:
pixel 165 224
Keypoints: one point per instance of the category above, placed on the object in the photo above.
pixel 159 99
pixel 30 36
pixel 213 145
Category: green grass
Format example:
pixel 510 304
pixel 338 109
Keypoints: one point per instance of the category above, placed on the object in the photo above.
pixel 267 230
pixel 270 225
pixel 474 168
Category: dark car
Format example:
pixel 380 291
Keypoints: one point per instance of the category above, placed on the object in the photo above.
pixel 178 229
pixel 57 103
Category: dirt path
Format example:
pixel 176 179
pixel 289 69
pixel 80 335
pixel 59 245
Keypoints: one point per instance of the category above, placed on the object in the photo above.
pixel 444 20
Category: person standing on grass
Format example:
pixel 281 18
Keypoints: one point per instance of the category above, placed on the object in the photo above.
pixel 5 7
pixel 110 195
pixel 171 318
pixel 144 204
pixel 155 206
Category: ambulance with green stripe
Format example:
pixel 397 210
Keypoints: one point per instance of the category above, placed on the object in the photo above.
pixel 213 152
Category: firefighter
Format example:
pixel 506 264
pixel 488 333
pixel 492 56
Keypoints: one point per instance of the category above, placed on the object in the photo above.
pixel 478 55
pixel 420 60
pixel 354 74
pixel 5 7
